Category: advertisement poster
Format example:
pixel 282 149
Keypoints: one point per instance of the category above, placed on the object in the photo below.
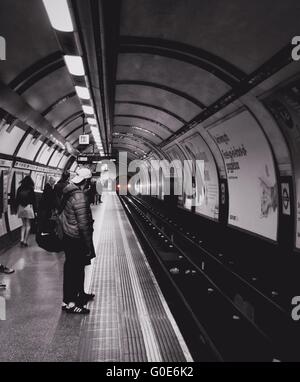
pixel 1 193
pixel 253 199
pixel 5 190
pixel 39 182
pixel 14 221
pixel 206 199
pixel 284 105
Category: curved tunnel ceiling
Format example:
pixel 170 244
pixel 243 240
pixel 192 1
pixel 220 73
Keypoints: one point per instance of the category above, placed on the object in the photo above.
pixel 171 77
pixel 155 69
pixel 36 87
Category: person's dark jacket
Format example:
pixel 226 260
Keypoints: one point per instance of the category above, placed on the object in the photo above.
pixel 24 197
pixel 77 217
pixel 59 187
pixel 47 208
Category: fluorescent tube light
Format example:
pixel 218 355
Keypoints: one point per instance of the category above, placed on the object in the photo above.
pixel 82 92
pixel 91 121
pixel 88 109
pixel 75 65
pixel 59 15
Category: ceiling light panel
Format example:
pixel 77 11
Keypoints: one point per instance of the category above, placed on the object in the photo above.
pixel 88 109
pixel 91 121
pixel 75 65
pixel 59 15
pixel 82 92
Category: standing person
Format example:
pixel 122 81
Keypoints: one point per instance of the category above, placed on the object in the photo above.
pixel 99 189
pixel 92 192
pixel 48 206
pixel 61 184
pixel 78 242
pixel 26 207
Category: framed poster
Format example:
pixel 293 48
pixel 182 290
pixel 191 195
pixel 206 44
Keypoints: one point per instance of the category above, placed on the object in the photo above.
pixel 252 183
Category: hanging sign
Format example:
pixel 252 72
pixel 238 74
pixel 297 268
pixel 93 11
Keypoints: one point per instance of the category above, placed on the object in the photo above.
pixel 84 139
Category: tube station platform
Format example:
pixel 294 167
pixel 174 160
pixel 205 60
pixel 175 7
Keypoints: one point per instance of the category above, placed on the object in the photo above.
pixel 129 321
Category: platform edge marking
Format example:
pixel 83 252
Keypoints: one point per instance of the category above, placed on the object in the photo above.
pixel 150 340
pixel 169 314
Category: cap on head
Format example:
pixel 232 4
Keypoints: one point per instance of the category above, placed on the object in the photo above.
pixel 82 174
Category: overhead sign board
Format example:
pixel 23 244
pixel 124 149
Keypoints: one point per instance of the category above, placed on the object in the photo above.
pixel 32 167
pixel 84 139
pixel 82 159
pixel 90 158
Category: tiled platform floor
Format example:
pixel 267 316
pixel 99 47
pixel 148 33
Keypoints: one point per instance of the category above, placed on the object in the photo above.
pixel 129 319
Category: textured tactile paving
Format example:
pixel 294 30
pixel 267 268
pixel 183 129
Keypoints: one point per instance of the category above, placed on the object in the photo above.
pixel 128 320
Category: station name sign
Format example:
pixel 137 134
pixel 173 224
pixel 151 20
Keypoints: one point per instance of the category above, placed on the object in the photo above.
pixel 32 167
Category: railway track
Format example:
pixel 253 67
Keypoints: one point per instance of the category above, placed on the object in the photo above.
pixel 235 319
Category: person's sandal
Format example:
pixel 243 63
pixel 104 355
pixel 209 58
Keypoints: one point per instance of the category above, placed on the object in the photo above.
pixel 77 310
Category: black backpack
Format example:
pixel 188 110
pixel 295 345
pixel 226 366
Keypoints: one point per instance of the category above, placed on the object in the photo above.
pixel 52 239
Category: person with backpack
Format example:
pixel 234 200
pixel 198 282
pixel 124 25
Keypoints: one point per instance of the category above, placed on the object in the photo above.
pixel 61 184
pixel 48 206
pixel 46 232
pixel 26 207
pixel 77 223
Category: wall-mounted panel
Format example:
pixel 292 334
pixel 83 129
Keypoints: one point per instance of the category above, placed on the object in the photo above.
pixel 55 159
pixel 74 166
pixel 206 197
pixel 28 149
pixel 16 177
pixel 9 141
pixel 284 104
pixel 39 180
pixel 44 155
pixel 253 199
pixel 63 162
pixel 3 199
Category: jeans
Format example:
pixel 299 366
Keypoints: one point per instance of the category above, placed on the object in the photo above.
pixel 73 285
